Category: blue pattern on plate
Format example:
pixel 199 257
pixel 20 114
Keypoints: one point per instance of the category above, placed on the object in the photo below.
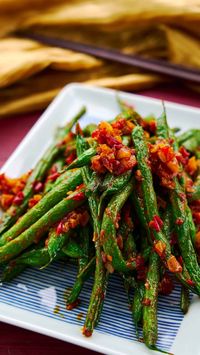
pixel 42 292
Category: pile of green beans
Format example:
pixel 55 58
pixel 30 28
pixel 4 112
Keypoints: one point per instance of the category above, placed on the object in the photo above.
pixel 141 221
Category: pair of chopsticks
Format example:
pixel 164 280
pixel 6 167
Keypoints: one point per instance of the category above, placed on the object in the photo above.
pixel 152 65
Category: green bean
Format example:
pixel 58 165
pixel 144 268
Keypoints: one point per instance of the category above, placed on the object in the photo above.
pixel 94 185
pixel 137 306
pixel 89 129
pixel 176 129
pixel 191 225
pixel 184 225
pixel 129 246
pixel 83 159
pixel 185 136
pixel 128 251
pixel 37 174
pixel 35 232
pixel 150 331
pixel 37 257
pixel 101 275
pixel 162 127
pixel 126 140
pixel 73 249
pixel 84 237
pixel 167 219
pixel 16 267
pixel 43 206
pixel 82 265
pixel 56 242
pixel 114 184
pixel 137 201
pixel 197 152
pixel 84 274
pixel 191 144
pixel 129 284
pixel 183 230
pixel 127 112
pixel 148 197
pixel 195 195
pixel 108 231
pixel 58 166
pixel 185 299
pixel 11 271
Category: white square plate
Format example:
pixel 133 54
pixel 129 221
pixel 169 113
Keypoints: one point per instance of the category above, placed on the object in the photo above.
pixel 30 300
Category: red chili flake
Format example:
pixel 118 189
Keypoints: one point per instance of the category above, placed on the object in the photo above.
pixel 173 264
pixel 79 129
pixel 18 199
pixel 190 282
pixel 6 200
pixel 160 248
pixel 87 332
pixel 109 257
pixel 120 242
pixel 182 196
pixel 166 285
pixel 34 200
pixel 79 196
pixel 81 186
pixel 54 169
pixel 158 220
pixel 127 216
pixel 192 165
pixel 146 302
pixel 179 221
pixel 113 142
pixel 156 223
pixel 184 155
pixel 197 241
pixel 173 239
pixel 103 256
pixel 147 285
pixel 141 273
pixel 138 175
pixel 53 176
pixel 97 165
pixel 84 218
pixel 119 124
pixel 59 228
pixel 109 267
pixel 123 153
pixel 73 305
pixel 167 153
pixel 102 234
pixel 70 158
pixel 139 261
pixel 38 186
pixel 196 216
pixel 180 259
pixel 117 219
pixel 108 212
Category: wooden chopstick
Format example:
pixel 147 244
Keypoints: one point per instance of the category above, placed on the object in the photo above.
pixel 152 65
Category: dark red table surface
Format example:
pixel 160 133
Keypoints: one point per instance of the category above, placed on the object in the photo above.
pixel 17 341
